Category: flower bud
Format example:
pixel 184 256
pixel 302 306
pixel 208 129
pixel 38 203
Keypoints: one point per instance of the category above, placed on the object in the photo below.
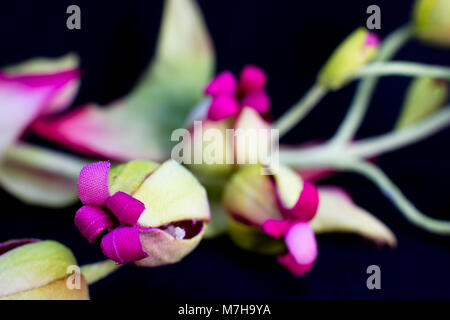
pixel 149 214
pixel 431 20
pixel 263 209
pixel 425 95
pixel 38 270
pixel 356 50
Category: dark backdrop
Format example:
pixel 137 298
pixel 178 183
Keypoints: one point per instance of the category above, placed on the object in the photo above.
pixel 290 40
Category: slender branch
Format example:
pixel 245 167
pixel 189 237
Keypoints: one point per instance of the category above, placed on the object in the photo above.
pixel 368 147
pixel 300 110
pixel 365 89
pixel 96 271
pixel 401 138
pixel 408 69
pixel 393 193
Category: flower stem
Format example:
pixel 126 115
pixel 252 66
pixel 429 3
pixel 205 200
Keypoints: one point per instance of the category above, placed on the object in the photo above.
pixel 96 271
pixel 393 193
pixel 365 89
pixel 300 110
pixel 408 69
pixel 368 147
pixel 397 139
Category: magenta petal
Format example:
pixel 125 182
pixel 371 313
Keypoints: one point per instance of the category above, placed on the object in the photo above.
pixel 93 186
pixel 275 228
pixel 223 84
pixel 301 243
pixel 93 222
pixel 252 79
pixel 372 40
pixel 123 245
pixel 288 261
pixel 126 208
pixel 306 207
pixel 223 107
pixel 259 101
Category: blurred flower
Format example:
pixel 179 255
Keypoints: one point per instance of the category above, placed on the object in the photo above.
pixel 38 270
pixel 431 20
pixel 279 215
pixel 230 96
pixel 354 52
pixel 139 125
pixel 143 212
pixel 28 92
pixel 281 206
pixel 425 95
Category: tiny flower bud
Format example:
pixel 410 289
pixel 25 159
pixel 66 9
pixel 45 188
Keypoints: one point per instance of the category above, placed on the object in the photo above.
pixel 425 96
pixel 431 21
pixel 356 50
pixel 38 270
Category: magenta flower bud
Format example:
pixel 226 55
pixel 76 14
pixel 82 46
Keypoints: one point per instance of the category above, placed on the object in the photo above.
pixel 252 79
pixel 125 207
pixel 223 84
pixel 93 222
pixel 259 101
pixel 223 106
pixel 228 101
pixel 123 245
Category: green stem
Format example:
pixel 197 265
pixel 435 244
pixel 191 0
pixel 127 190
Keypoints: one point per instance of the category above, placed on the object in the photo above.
pixel 367 86
pixel 397 139
pixel 300 110
pixel 96 271
pixel 393 193
pixel 368 147
pixel 407 69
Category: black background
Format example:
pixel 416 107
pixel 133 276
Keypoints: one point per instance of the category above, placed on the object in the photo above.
pixel 290 40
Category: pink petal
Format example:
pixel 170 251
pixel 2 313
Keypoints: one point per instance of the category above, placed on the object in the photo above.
pixel 93 186
pixel 23 98
pixel 275 228
pixel 301 243
pixel 259 101
pixel 372 40
pixel 93 222
pixel 288 261
pixel 306 207
pixel 252 79
pixel 223 84
pixel 222 107
pixel 126 208
pixel 123 245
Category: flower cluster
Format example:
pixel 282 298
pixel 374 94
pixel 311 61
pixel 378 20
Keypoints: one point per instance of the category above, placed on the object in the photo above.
pixel 230 96
pixel 143 212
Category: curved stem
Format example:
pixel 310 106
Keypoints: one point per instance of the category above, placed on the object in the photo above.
pixel 401 138
pixel 367 86
pixel 300 110
pixel 96 271
pixel 408 69
pixel 371 146
pixel 393 193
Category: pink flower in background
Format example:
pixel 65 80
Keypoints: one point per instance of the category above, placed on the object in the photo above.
pixel 229 95
pixel 27 93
